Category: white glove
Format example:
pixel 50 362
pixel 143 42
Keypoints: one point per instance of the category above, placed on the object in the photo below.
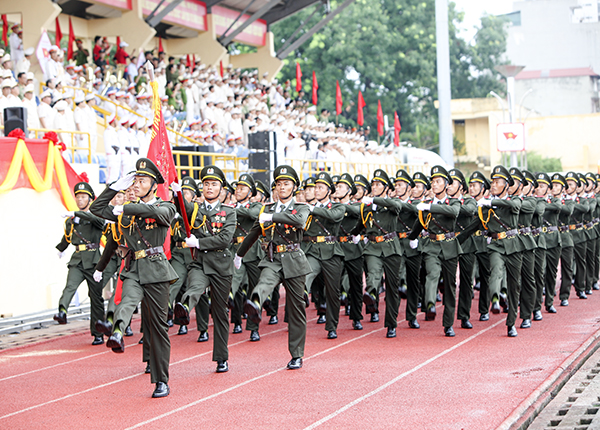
pixel 175 187
pixel 356 239
pixel 423 206
pixel 61 254
pixel 367 200
pixel 374 206
pixel 414 243
pixel 263 218
pixel 237 261
pixel 366 240
pixel 489 240
pixel 97 276
pixel 484 202
pixel 192 242
pixel 118 210
pixel 68 215
pixel 123 183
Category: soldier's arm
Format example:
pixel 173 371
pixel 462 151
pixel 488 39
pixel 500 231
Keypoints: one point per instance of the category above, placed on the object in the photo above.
pixel 513 204
pixel 251 237
pixel 452 209
pixel 566 209
pixel 416 230
pixel 353 210
pixel 162 213
pixel 101 206
pixel 63 244
pixel 392 203
pixel 88 216
pixel 109 250
pixel 555 206
pixel 469 207
pixel 189 207
pixel 222 239
pixel 335 214
pixel 528 206
pixel 582 206
pixel 469 230
pixel 297 220
pixel 540 206
pixel 251 212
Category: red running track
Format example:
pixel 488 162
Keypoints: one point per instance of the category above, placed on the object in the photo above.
pixel 419 380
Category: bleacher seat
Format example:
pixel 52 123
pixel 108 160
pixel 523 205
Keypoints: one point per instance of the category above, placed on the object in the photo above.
pixel 101 160
pixel 102 176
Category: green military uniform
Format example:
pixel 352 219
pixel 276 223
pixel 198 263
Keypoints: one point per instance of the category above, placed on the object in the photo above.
pixel 591 233
pixel 596 221
pixel 580 237
pixel 147 273
pixel 212 226
pixel 566 239
pixel 83 230
pixel 538 234
pixel 281 231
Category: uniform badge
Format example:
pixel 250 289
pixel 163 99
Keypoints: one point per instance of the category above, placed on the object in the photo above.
pixel 210 171
pixel 283 170
pixel 142 164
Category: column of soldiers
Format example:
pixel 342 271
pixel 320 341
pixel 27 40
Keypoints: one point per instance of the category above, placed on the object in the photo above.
pixel 341 240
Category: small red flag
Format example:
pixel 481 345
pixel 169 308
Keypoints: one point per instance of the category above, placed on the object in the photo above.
pixel 119 289
pixel 338 98
pixel 361 104
pixel 315 87
pixel 298 78
pixel 160 47
pixel 58 33
pixel 71 40
pixel 188 61
pixel 4 30
pixel 397 128
pixel 221 68
pixel 379 118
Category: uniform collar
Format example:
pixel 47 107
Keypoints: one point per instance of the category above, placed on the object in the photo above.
pixel 149 202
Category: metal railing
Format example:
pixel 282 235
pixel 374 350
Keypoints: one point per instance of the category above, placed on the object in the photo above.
pixel 194 162
pixel 309 167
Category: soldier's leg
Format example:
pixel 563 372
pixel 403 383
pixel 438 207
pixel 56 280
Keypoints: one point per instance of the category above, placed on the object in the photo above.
pixel 413 270
pixel 236 282
pixel 513 283
pixel 434 270
pixel 354 268
pixel 273 307
pixel 74 279
pixel 528 289
pixel 449 274
pixel 580 251
pixel 202 313
pixel 132 295
pixel 96 301
pixel 296 312
pixel 465 293
pixel 392 296
pixel 147 336
pixel 497 270
pixel 219 292
pixel 374 275
pixel 314 285
pixel 197 283
pixel 181 270
pixel 597 262
pixel 589 270
pixel 483 260
pixel 156 298
pixel 540 278
pixel 253 273
pixel 332 275
pixel 566 271
pixel 553 256
pixel 269 278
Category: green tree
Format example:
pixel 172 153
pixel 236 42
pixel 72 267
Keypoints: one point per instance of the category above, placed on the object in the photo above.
pixel 537 163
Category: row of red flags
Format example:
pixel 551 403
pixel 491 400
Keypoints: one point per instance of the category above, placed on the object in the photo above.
pixel 360 105
pixel 59 36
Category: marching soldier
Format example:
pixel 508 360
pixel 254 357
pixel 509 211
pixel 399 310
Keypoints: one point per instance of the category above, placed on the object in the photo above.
pixel 213 224
pixel 147 273
pixel 83 230
pixel 580 207
pixel 441 251
pixel 363 187
pixel 590 184
pixel 280 226
pixel 559 184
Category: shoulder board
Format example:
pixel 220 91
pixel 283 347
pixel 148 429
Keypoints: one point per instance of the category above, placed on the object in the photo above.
pixel 227 206
pixel 301 203
pixel 269 204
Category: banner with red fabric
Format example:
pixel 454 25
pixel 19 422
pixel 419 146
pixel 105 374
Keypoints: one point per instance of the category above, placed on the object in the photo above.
pixel 298 78
pixel 338 98
pixel 315 87
pixel 5 30
pixel 397 128
pixel 58 34
pixel 361 104
pixel 379 118
pixel 71 40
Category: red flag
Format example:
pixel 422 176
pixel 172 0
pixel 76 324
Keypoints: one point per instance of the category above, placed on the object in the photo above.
pixel 188 61
pixel 4 30
pixel 160 47
pixel 338 98
pixel 298 78
pixel 397 128
pixel 71 40
pixel 379 118
pixel 58 33
pixel 361 104
pixel 221 68
pixel 315 87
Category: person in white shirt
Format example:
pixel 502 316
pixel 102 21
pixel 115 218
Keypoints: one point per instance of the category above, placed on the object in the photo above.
pixel 33 120
pixel 235 125
pixel 61 122
pixel 52 66
pixel 107 105
pixel 112 146
pixel 23 65
pixel 16 43
pixel 45 112
pixel 128 157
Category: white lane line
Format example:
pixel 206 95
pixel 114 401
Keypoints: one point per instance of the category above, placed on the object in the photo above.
pixel 398 378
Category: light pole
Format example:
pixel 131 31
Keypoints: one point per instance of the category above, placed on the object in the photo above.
pixel 509 72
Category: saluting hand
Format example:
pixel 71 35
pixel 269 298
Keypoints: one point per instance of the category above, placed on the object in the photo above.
pixel 367 200
pixel 123 183
pixel 176 187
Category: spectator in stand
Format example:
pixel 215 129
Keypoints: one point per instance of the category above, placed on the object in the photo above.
pixel 45 112
pixel 131 72
pixel 33 121
pixel 24 63
pixel 22 83
pixel 97 49
pixel 81 54
pixel 112 146
pixel 121 55
pixel 16 43
pixel 52 66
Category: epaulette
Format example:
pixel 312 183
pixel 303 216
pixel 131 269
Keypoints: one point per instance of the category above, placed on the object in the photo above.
pixel 229 206
pixel 270 203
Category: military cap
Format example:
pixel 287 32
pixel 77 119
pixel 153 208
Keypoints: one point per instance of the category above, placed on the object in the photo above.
pixel 335 178
pixel 286 172
pixel 309 182
pixel 229 187
pixel 362 181
pixel 248 181
pixel 346 178
pixel 477 176
pixel 457 175
pixel 262 188
pixel 598 177
pixel 200 186
pixel 421 178
pixel 518 175
pixel 84 187
pixel 591 177
pixel 531 179
pixel 572 176
pixel 214 173
pixel 560 179
pixel 543 178
pixel 582 179
pixel 440 172
pixel 146 167
pixel 382 176
pixel 402 175
pixel 502 173
pixel 273 185
pixel 189 183
pixel 324 178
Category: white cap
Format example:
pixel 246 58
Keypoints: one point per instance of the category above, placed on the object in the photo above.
pixel 61 105
pixel 30 76
pixel 54 48
pixel 124 44
pixel 5 58
pixel 89 97
pixel 28 51
pixel 29 88
pixel 79 99
pixel 46 93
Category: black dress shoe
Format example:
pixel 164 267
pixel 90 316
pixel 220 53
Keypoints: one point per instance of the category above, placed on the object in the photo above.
pixel 431 313
pixel 295 363
pixel 306 299
pixel 356 325
pixel 61 317
pixel 466 324
pixel 170 323
pixel 581 295
pixel 504 303
pixel 537 316
pixel 495 307
pixel 402 291
pixel 98 340
pixel 391 332
pixel 371 305
pixel 449 332
pixel 595 286
pixel 414 324
pixel 222 366
pixel 588 292
pixel 322 319
pixel 230 302
pixel 181 314
pixel 161 390
pixel 512 331
pixel 484 317
pixel 147 368
pixel 254 336
pixel 128 331
pixel 526 323
pixel 332 335
pixel 115 341
pixel 347 311
pixel 344 299
pixel 182 330
pixel 273 320
pixel 104 327
pixel 374 317
pixel 237 329
pixel 141 341
pixel 252 309
pixel 203 336
pixel 551 309
pixel 564 303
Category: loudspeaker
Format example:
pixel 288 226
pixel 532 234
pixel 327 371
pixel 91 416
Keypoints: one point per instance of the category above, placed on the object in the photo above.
pixel 259 141
pixel 259 160
pixel 15 117
pixel 262 156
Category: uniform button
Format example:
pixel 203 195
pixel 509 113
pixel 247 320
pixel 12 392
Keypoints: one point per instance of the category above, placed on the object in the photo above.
pixel 205 252
pixel 139 241
pixel 282 255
